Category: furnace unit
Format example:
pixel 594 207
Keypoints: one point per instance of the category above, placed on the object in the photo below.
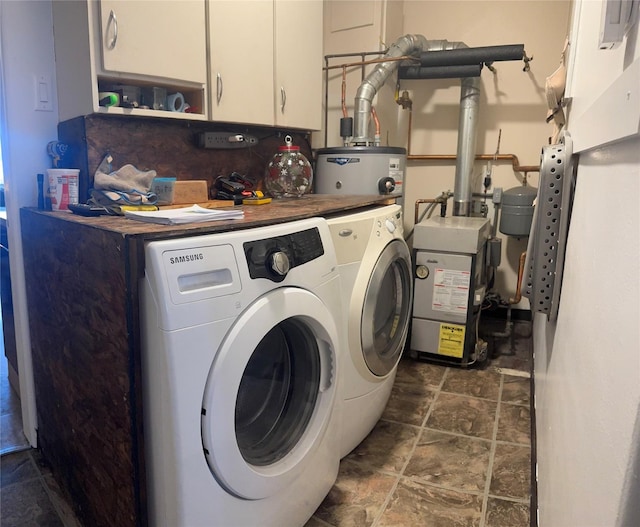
pixel 449 286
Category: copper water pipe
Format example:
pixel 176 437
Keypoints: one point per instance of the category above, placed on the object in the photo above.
pixel 518 296
pixel 344 92
pixel 376 121
pixel 515 162
pixel 372 61
pixel 442 198
pixel 479 157
pixel 418 202
pixel 409 134
pixel 344 83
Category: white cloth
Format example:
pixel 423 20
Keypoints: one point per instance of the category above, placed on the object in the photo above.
pixel 125 179
pixel 554 90
pixel 127 185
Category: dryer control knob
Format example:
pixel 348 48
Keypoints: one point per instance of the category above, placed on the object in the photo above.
pixel 279 262
pixel 391 227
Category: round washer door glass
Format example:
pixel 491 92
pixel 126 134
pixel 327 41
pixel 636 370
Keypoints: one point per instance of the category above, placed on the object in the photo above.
pixel 387 303
pixel 270 393
pixel 278 393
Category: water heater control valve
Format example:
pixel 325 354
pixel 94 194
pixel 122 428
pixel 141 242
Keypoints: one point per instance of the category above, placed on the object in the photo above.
pixel 386 185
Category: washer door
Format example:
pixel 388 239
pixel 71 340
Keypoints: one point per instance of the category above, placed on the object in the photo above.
pixel 386 309
pixel 270 393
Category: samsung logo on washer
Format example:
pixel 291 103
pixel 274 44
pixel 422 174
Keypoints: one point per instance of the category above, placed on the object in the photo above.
pixel 343 160
pixel 186 258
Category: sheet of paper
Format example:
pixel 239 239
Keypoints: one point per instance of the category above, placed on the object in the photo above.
pixel 193 214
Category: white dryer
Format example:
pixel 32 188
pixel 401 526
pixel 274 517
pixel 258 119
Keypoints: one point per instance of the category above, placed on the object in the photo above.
pixel 375 271
pixel 240 376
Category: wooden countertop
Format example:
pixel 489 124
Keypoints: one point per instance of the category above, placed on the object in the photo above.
pixel 278 211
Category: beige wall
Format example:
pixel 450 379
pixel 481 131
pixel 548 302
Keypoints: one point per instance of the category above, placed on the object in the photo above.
pixel 358 26
pixel 512 101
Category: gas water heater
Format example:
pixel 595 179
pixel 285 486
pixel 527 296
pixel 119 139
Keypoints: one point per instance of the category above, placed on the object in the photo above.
pixel 361 170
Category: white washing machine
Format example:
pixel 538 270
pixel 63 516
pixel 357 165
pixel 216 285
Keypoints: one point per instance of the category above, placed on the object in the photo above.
pixel 240 368
pixel 375 271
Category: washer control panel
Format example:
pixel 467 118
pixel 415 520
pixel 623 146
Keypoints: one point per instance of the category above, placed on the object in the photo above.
pixel 389 224
pixel 273 258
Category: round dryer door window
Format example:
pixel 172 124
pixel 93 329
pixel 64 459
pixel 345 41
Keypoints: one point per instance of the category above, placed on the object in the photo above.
pixel 270 393
pixel 386 311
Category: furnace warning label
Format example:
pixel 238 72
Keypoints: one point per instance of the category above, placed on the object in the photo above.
pixel 451 291
pixel 451 342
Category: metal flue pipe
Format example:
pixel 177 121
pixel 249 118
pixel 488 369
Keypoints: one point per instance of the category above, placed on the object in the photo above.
pixel 467 133
pixel 468 120
pixel 373 82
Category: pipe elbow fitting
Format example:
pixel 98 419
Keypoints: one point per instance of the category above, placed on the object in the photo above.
pixel 374 81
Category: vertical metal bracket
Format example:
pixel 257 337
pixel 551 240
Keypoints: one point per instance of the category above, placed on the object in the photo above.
pixel 547 242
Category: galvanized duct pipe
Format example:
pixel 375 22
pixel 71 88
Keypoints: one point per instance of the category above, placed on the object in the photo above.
pixel 373 82
pixel 404 46
pixel 466 153
pixel 467 132
pixel 468 121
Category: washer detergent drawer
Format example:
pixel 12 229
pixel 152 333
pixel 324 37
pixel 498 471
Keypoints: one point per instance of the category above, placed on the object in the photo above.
pixel 189 286
pixel 201 273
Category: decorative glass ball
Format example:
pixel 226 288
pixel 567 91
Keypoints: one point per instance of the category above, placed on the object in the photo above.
pixel 289 173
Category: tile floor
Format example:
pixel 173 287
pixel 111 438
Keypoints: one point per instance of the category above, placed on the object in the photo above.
pixel 453 449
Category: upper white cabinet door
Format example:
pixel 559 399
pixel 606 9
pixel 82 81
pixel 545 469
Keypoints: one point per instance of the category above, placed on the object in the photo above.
pixel 164 39
pixel 241 61
pixel 298 55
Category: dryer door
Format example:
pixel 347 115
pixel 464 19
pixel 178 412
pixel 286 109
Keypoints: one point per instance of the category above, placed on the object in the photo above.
pixel 270 393
pixel 386 310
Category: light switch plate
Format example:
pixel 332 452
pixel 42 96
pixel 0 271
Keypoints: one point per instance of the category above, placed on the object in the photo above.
pixel 43 95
